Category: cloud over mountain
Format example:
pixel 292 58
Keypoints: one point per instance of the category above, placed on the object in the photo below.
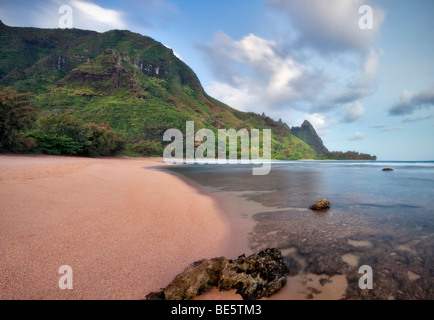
pixel 257 71
pixel 330 63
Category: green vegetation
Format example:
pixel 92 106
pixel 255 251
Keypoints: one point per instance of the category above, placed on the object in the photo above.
pixel 349 155
pixel 53 133
pixel 308 134
pixel 66 134
pixel 132 84
pixel 102 140
pixel 52 144
pixel 146 149
pixel 16 116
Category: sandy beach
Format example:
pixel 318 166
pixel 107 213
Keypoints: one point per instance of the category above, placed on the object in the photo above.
pixel 125 230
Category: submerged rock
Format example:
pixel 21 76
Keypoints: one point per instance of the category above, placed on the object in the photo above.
pixel 323 204
pixel 259 275
pixel 329 263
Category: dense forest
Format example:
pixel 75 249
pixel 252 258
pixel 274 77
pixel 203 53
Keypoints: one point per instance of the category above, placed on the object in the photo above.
pixel 349 155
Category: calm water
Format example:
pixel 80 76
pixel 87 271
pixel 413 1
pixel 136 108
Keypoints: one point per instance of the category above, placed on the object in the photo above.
pixel 381 219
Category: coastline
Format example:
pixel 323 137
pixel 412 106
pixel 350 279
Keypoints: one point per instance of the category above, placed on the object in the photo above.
pixel 236 214
pixel 111 219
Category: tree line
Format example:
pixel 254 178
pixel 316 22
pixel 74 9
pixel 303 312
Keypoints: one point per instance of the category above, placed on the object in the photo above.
pixel 349 155
pixel 24 129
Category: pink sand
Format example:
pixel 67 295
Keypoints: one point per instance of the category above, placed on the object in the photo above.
pixel 124 230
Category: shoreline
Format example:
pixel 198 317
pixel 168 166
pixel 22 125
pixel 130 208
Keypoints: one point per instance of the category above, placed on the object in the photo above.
pixel 110 219
pixel 233 214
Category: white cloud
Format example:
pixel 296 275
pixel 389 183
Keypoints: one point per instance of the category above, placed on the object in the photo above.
pixel 254 75
pixel 372 62
pixel 320 123
pixel 88 15
pixel 410 119
pixel 377 126
pixel 304 73
pixel 354 112
pixel 393 129
pixel 331 30
pixel 241 97
pixel 330 25
pixel 359 136
pixel 42 14
pixel 410 102
pixel 174 52
pixel 45 14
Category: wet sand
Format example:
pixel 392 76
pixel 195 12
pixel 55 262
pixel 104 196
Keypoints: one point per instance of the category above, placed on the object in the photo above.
pixel 123 229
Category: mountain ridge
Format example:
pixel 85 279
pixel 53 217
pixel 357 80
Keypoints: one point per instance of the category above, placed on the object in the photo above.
pixel 307 133
pixel 127 80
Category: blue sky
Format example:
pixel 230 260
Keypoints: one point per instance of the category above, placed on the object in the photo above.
pixel 366 90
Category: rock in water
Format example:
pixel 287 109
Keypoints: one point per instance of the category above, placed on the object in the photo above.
pixel 259 275
pixel 387 169
pixel 323 204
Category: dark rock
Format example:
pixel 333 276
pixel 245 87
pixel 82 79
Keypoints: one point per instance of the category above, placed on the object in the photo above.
pixel 388 169
pixel 324 281
pixel 259 275
pixel 155 296
pixel 196 279
pixel 296 267
pixel 329 263
pixel 323 204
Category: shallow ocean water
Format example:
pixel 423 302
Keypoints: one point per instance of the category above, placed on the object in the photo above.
pixel 381 219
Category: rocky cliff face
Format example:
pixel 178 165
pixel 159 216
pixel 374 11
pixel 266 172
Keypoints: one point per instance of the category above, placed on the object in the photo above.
pixel 105 72
pixel 308 134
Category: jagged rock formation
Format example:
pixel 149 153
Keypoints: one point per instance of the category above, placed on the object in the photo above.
pixel 259 275
pixel 308 134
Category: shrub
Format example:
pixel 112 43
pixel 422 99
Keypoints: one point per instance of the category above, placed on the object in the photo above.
pixel 23 144
pixel 55 145
pixel 102 140
pixel 66 134
pixel 16 116
pixel 63 125
pixel 147 148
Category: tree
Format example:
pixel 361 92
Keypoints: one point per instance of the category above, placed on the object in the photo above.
pixel 147 148
pixel 64 125
pixel 52 144
pixel 16 116
pixel 102 140
pixel 66 134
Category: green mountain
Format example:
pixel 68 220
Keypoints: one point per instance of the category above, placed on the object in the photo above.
pixel 128 81
pixel 308 134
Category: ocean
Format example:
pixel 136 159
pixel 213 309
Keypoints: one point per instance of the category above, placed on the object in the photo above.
pixel 384 220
